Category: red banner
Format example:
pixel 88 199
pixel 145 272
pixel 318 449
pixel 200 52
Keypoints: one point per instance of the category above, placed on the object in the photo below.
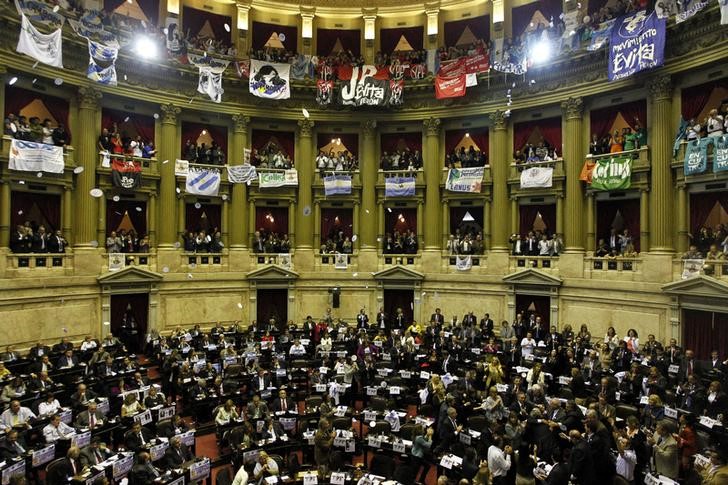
pixel 450 87
pixel 477 63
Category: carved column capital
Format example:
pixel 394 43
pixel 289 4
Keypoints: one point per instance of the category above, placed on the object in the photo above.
pixel 305 127
pixel 573 108
pixel 660 88
pixel 88 97
pixel 499 119
pixel 432 126
pixel 170 113
pixel 241 123
pixel 369 127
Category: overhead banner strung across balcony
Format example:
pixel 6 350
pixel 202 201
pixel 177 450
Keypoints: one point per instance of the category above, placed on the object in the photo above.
pixel 637 44
pixel 464 179
pixel 210 80
pixel 45 48
pixel 612 173
pixel 364 89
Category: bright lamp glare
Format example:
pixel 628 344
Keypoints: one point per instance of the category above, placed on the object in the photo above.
pixel 145 47
pixel 541 52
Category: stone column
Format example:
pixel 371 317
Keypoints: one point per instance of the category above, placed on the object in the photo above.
pixel 487 223
pixel 420 217
pixel 645 219
pixel 317 223
pixel 499 171
pixel 101 222
pixel 168 150
pixel 356 223
pixel 433 172
pixel 305 167
pixel 368 171
pixel 224 233
pixel 67 214
pixel 5 228
pixel 591 244
pixel 573 109
pixel 239 210
pixel 445 223
pixel 85 206
pixel 682 219
pixel 152 211
pixel 515 219
pixel 560 214
pixel 661 182
pixel 251 221
pixel 181 214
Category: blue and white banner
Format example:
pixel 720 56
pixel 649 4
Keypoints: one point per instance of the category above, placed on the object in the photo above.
pixel 203 181
pixel 269 80
pixel 210 81
pixel 102 63
pixel 399 187
pixel 241 174
pixel 637 43
pixel 40 13
pixel 45 48
pixel 601 36
pixel 337 185
pixel 688 8
pixel 29 156
pixel 696 156
pixel 720 154
pixel 511 60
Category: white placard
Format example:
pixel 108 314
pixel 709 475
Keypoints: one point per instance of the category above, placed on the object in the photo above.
pixel 702 461
pixel 371 391
pixel 673 369
pixel 340 442
pixel 374 441
pixel 644 400
pixel 350 446
pixel 166 412
pixel 394 390
pixel 320 387
pixel 618 396
pixel 465 438
pixel 476 350
pixel 310 479
pixel 337 478
pixel 446 462
pixel 671 412
pixel 424 375
pixel 370 416
pixel 405 374
pixel 144 418
pixel 707 422
pixel 44 455
pixel 398 447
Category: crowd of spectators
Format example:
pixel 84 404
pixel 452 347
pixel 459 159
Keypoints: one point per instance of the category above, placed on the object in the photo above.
pixel 203 241
pixel 271 156
pixel 618 141
pixel 402 160
pixel 455 52
pixel 715 124
pixel 332 162
pixel 212 155
pixel 22 128
pixel 126 242
pixel 270 242
pixel 616 244
pixel 398 242
pixel 31 237
pixel 541 152
pixel 113 142
pixel 465 242
pixel 536 243
pixel 466 158
pixel 711 242
pixel 337 242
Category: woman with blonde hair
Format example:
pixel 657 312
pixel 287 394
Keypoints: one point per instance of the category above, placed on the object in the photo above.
pixel 495 372
pixel 131 405
pixel 226 413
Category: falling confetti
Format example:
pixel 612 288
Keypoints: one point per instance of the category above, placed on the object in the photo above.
pixel 227 28
pixel 178 190
pixel 138 209
pixel 224 197
pixel 35 65
pixel 126 120
pixel 177 244
pixel 39 174
pixel 116 198
pixel 189 276
pixel 305 113
pixel 355 275
pixel 21 182
pixel 197 205
pixel 55 9
pixel 165 161
pixel 78 170
pixel 354 238
pixel 20 213
pixel 307 211
pixel 107 323
pixel 165 269
pixel 240 305
pixel 96 192
pixel 94 244
pixel 35 80
pixel 58 81
pixel 156 117
pixel 533 81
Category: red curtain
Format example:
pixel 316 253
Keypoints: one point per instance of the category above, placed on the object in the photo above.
pixel 602 119
pixel 391 141
pixel 192 131
pixel 115 214
pixel 407 223
pixel 262 32
pixel 326 40
pixel 349 140
pixel 138 124
pixel 206 218
pixel 695 98
pixel 286 140
pixel 630 211
pixel 278 225
pixel 456 219
pixel 479 26
pixel 550 129
pixel 193 20
pixel 39 209
pixel 334 221
pixel 702 204
pixel 704 332
pixel 521 16
pixel 478 135
pixel 527 214
pixel 18 98
pixel 390 37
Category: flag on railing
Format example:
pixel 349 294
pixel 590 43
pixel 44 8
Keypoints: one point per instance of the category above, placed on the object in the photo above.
pixel 45 48
pixel 203 181
pixel 696 156
pixel 241 174
pixel 465 179
pixel 463 262
pixel 29 156
pixel 720 154
pixel 689 8
pixel 126 174
pixel 587 169
pixel 279 178
pixel 270 80
pixel 692 267
pixel 336 184
pixel 181 168
pixel 637 43
pixel 612 173
pixel 536 177
pixel 399 187
pixel 210 71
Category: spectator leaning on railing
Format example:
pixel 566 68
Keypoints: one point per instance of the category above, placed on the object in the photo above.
pixel 401 160
pixel 343 162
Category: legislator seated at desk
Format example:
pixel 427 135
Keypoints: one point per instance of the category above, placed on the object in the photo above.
pixel 59 472
pixel 43 364
pixel 176 454
pixel 171 427
pixel 265 467
pixel 4 371
pixel 144 472
pixel 226 413
pixel 138 437
pixel 261 382
pixel 10 354
pixel 12 446
pixel 95 453
pixel 57 430
pixel 257 409
pixel 16 416
pixel 38 350
pixel 91 418
pixel 49 405
pixel 15 389
pixel 283 403
pixel 80 398
pixel 62 346
pixel 154 398
pixel 131 405
pixel 42 382
pixel 67 360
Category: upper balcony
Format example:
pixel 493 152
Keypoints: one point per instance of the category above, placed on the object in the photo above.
pixel 150 166
pixel 516 169
pixel 709 175
pixel 641 165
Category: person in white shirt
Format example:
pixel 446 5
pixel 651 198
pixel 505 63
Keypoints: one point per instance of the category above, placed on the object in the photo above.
pixel 626 460
pixel 265 467
pixel 693 130
pixel 499 460
pixel 714 123
pixel 241 477
pixel 297 348
pixel 49 406
pixel 88 344
pixel 325 344
pixel 527 345
pixel 544 246
pixel 57 430
pixel 16 416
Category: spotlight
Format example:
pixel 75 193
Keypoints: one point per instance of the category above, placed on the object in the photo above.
pixel 145 47
pixel 541 52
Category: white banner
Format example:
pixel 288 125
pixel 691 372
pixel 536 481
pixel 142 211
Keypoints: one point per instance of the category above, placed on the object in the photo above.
pixel 45 48
pixel 29 156
pixel 464 179
pixel 102 63
pixel 117 261
pixel 535 177
pixel 241 174
pixel 210 83
pixel 203 181
pixel 270 80
pixel 181 168
pixel 692 267
pixel 277 179
pixel 463 262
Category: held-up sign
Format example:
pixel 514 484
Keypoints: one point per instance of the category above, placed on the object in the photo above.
pixel 370 416
pixel 374 441
pixel 310 479
pixel 673 369
pixel 394 390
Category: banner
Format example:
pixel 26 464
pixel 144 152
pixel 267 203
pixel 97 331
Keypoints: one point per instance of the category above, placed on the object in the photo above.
pixel 666 8
pixel 337 185
pixel 277 179
pixel 720 154
pixel 40 13
pixel 399 187
pixel 102 63
pixel 45 48
pixel 723 11
pixel 601 36
pixel 464 179
pixel 176 43
pixel 210 80
pixel 269 80
pixel 637 43
pixel 181 168
pixel 324 92
pixel 241 174
pixel 450 87
pixel 696 156
pixel 463 262
pixel 586 171
pixel 688 8
pixel 126 174
pixel 692 267
pixel 91 26
pixel 396 91
pixel 612 173
pixel 477 63
pixel 203 181
pixel 536 177
pixel 29 156
pixel 509 61
pixel 364 89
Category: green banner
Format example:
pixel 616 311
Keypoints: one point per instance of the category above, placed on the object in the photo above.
pixel 612 173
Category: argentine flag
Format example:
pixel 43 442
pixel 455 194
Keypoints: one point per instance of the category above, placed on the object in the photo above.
pixel 203 181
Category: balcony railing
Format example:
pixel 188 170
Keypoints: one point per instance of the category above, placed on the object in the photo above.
pixel 31 264
pixel 716 268
pixel 149 165
pixel 518 263
pixel 400 259
pixel 514 174
pixel 68 152
pixel 611 267
pixel 450 263
pixel 204 261
pixel 284 260
pixel 418 174
pixel 679 159
pixel 332 262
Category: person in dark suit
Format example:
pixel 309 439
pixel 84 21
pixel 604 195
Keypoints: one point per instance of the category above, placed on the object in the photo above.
pixel 688 366
pixel 437 318
pixel 581 465
pixel 714 364
pixel 283 403
pixel 449 364
pixel 144 471
pixel 43 364
pixel 716 400
pixel 362 320
pixel 94 453
pixel 613 241
pixel 261 382
pixel 20 240
pixel 39 243
pixel 12 446
pixel 57 243
pixel 67 360
pixel 521 406
pixel 559 474
pixel 176 454
pixel 63 345
pixel 69 467
pixel 447 430
pixel 82 396
pixel 171 427
pixel 138 437
pixel 486 325
pixel 381 319
pixel 91 418
pixel 9 355
pixel 399 322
